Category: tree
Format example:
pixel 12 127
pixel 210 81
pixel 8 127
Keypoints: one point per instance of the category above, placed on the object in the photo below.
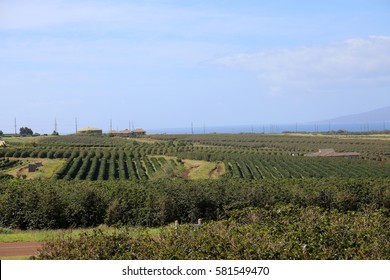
pixel 25 131
pixel 1 133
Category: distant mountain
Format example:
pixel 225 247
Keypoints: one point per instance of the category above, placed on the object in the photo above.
pixel 378 115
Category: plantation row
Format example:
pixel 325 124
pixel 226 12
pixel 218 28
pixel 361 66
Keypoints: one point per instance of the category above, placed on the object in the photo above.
pixel 54 152
pixel 288 167
pixel 110 166
pixel 113 163
pixel 246 144
pixel 259 144
pixel 249 166
pixel 68 152
pixel 7 163
pixel 32 204
pixel 369 148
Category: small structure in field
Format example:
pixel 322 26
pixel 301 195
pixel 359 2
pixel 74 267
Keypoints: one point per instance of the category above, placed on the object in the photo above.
pixel 139 132
pixel 2 143
pixel 32 167
pixel 90 131
pixel 333 153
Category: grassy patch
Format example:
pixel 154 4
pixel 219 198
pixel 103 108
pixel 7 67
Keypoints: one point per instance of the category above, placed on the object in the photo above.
pixel 199 169
pixel 36 235
pixel 46 235
pixel 16 140
pixel 50 166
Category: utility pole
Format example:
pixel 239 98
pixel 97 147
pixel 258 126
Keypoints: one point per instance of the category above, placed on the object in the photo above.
pixel 110 124
pixel 76 123
pixel 192 128
pixel 55 124
pixel 15 126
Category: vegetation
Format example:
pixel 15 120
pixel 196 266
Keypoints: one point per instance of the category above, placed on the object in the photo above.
pixel 267 199
pixel 25 131
pixel 244 156
pixel 279 232
pixel 63 204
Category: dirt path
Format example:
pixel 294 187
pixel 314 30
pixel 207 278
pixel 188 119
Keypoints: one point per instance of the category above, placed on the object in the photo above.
pixel 12 249
pixel 217 171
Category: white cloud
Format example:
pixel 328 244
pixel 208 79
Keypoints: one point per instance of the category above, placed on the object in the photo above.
pixel 354 62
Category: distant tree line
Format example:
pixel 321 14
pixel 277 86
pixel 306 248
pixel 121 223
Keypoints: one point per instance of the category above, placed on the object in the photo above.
pixel 25 131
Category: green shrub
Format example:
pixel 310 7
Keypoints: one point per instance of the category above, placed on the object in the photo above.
pixel 5 230
pixel 279 232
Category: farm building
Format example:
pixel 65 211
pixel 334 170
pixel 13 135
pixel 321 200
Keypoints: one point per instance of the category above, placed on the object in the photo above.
pixel 32 167
pixel 90 131
pixel 139 132
pixel 332 153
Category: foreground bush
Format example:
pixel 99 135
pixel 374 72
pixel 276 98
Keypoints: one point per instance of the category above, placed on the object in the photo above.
pixel 280 232
pixel 34 204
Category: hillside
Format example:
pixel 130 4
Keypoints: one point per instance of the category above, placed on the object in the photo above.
pixel 374 116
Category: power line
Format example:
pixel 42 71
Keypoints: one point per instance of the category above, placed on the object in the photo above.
pixel 15 126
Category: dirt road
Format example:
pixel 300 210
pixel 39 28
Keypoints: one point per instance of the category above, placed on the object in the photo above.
pixel 13 249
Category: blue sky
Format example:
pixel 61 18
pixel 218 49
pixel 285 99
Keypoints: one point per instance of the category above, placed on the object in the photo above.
pixel 165 64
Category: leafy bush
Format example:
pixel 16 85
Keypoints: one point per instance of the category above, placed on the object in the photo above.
pixel 5 230
pixel 60 204
pixel 280 232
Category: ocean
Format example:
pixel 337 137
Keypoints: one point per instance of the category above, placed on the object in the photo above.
pixel 276 128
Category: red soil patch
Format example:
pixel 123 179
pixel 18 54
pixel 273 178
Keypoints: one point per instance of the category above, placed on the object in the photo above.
pixel 12 249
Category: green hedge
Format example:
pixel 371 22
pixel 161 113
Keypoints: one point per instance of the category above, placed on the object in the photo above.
pixel 62 204
pixel 279 232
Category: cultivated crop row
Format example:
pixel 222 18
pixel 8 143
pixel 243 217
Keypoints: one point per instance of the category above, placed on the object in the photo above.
pixel 290 167
pixel 110 166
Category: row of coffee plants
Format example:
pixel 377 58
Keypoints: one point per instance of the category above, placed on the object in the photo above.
pixel 271 144
pixel 369 148
pixel 37 204
pixel 251 166
pixel 111 165
pixel 289 167
pixel 281 232
pixel 7 163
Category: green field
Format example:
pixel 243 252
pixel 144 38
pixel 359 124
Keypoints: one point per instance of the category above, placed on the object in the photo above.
pixel 233 182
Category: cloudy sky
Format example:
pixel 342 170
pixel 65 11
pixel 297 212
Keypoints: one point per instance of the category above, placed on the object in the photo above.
pixel 168 63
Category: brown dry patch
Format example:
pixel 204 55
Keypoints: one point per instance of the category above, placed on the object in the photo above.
pixel 13 249
pixel 217 171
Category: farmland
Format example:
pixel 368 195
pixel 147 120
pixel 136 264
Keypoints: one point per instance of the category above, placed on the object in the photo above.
pixel 232 182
